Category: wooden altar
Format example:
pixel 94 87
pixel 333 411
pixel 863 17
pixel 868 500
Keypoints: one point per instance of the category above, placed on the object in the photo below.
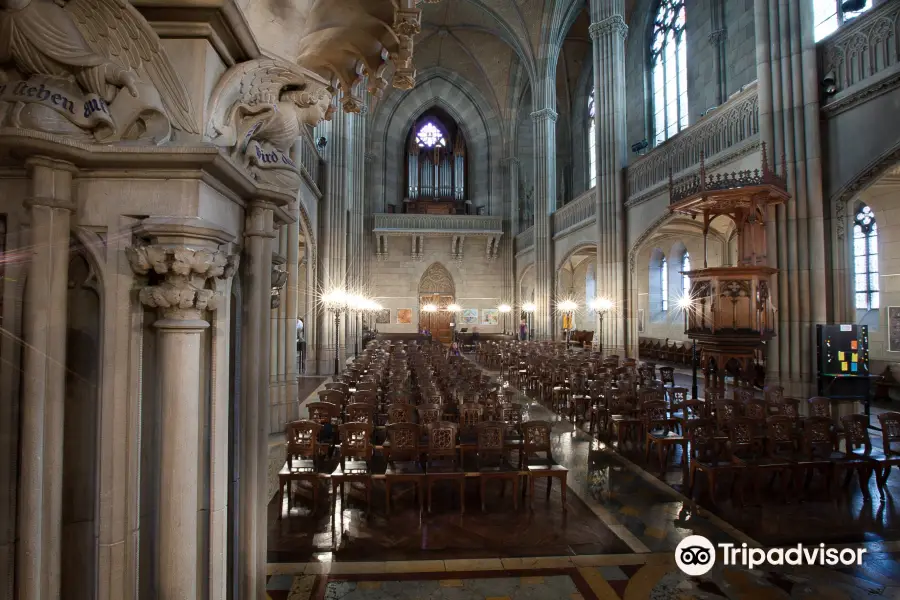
pixel 730 314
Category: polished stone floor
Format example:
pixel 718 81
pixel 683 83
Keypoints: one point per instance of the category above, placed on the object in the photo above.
pixel 617 539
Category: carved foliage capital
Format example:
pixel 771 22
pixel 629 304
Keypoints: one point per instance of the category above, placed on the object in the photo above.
pixel 180 278
pixel 545 114
pixel 613 25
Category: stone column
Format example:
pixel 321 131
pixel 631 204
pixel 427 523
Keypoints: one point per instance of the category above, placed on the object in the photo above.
pixel 788 93
pixel 512 230
pixel 608 32
pixel 544 205
pixel 332 267
pixel 717 37
pixel 183 255
pixel 50 206
pixel 290 301
pixel 259 234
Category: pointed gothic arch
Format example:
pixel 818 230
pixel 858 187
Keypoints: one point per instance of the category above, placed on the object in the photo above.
pixel 437 280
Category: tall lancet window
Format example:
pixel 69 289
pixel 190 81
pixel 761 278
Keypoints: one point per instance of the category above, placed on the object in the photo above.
pixel 865 259
pixel 668 63
pixel 436 159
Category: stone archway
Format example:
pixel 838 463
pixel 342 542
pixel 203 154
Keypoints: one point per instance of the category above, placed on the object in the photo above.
pixel 436 287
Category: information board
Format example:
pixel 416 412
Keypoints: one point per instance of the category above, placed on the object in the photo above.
pixel 843 350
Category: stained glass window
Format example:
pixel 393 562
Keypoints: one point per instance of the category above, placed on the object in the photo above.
pixel 592 144
pixel 668 52
pixel 430 136
pixel 664 283
pixel 829 15
pixel 685 280
pixel 865 259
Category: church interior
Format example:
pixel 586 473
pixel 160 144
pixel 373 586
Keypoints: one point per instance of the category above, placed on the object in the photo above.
pixel 449 299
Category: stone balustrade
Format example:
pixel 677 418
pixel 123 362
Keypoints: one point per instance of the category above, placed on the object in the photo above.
pixel 863 57
pixel 722 135
pixel 389 223
pixel 525 240
pixel 576 214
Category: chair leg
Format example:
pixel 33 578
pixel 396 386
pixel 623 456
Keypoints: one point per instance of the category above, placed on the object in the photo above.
pixel 549 486
pixel 429 484
pixel 387 496
pixel 481 492
pixel 462 496
pixel 562 482
pixel 516 493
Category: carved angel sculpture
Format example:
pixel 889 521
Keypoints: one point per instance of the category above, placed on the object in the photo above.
pixel 97 62
pixel 258 109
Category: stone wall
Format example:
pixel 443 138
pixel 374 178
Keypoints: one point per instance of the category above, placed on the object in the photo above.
pixel 394 281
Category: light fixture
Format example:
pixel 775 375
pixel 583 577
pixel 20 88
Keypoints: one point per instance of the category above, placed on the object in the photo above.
pixel 601 305
pixel 454 308
pixel 685 302
pixel 567 306
pixel 529 307
pixel 430 308
pixel 337 301
pixel 504 308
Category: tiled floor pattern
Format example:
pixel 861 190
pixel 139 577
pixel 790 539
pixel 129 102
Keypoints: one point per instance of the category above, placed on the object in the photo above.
pixel 594 578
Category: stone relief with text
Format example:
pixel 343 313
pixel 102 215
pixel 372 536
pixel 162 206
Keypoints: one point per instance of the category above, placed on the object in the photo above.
pixel 259 108
pixel 93 70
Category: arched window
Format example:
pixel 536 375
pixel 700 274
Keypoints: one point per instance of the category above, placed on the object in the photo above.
pixel 668 61
pixel 436 161
pixel 664 284
pixel 592 143
pixel 685 280
pixel 829 15
pixel 865 259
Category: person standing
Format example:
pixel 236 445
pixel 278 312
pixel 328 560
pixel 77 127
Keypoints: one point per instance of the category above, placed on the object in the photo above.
pixel 523 330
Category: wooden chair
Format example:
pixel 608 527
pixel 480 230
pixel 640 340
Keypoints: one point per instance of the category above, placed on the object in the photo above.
pixel 355 464
pixel 659 432
pixel 429 413
pixel 748 450
pixel 340 386
pixel 492 460
pixel 858 450
pixel 709 455
pixel 302 461
pixel 890 440
pixel 444 460
pixel 536 440
pixel 667 376
pixel 360 412
pixel 327 415
pixel 819 406
pixel 404 463
pixel 400 413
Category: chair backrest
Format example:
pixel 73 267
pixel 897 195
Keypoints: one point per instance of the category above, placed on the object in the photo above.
pixel 323 412
pixel 404 438
pixel 489 436
pixel 339 386
pixel 714 395
pixel 442 440
pixel 356 441
pixel 693 409
pixel 743 395
pixel 535 438
pixel 301 439
pixel 655 414
pixel 400 413
pixel 819 406
pixel 677 396
pixel 726 412
pixel 818 436
pixel 743 435
pixel 667 375
pixel 856 432
pixel 789 407
pixel 334 396
pixel 773 393
pixel 366 397
pixel 780 434
pixel 702 434
pixel 755 409
pixel 470 414
pixel 361 412
pixel 429 413
pixel 890 431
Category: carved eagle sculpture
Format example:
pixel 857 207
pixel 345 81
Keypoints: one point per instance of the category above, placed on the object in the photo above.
pixel 105 45
pixel 266 100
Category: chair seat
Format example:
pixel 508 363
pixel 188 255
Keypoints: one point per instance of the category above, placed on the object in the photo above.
pixel 666 436
pixel 445 469
pixel 351 469
pixel 766 461
pixel 299 467
pixel 404 468
pixel 543 465
pixel 502 468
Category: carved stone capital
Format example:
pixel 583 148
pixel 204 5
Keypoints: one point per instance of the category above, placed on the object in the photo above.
pixel 408 22
pixel 545 114
pixel 612 25
pixel 180 275
pixel 279 278
pixel 718 36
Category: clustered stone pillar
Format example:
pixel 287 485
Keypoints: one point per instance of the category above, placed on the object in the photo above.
pixel 509 258
pixel 259 234
pixel 544 205
pixel 291 304
pixel 718 36
pixel 183 255
pixel 43 383
pixel 333 235
pixel 789 125
pixel 608 32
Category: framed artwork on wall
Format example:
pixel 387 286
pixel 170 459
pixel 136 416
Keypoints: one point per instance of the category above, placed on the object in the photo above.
pixel 894 329
pixel 404 316
pixel 490 316
pixel 469 316
pixel 383 316
pixel 640 320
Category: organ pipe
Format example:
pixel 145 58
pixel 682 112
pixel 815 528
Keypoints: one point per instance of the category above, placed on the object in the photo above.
pixel 436 173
